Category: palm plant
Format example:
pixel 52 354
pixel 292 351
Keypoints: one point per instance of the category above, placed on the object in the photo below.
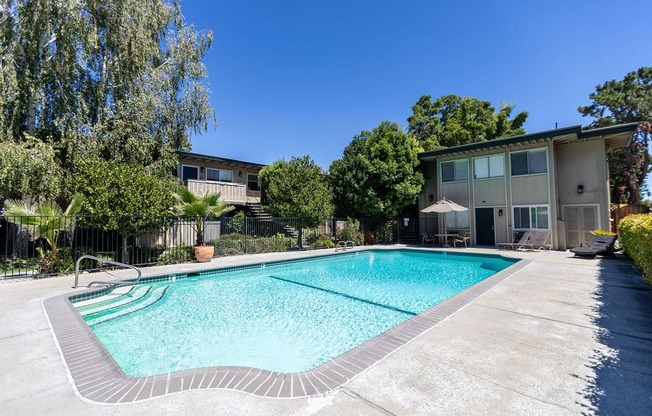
pixel 200 207
pixel 46 220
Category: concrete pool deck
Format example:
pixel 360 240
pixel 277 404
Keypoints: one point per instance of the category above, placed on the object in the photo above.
pixel 562 336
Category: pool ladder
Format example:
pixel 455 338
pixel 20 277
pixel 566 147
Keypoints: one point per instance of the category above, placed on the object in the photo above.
pixel 105 261
pixel 343 245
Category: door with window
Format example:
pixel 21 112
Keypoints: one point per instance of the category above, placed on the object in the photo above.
pixel 484 227
pixel 580 221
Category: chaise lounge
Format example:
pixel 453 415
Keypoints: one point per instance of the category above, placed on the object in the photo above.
pixel 602 245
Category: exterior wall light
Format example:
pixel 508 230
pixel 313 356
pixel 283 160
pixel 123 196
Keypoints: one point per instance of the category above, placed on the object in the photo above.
pixel 431 198
pixel 500 212
pixel 580 189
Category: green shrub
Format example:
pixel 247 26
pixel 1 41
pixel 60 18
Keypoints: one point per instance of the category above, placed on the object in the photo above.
pixel 234 244
pixel 636 238
pixel 180 254
pixel 320 240
pixel 385 232
pixel 602 232
pixel 350 232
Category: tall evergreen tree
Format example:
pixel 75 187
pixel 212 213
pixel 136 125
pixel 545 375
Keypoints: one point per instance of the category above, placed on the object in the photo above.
pixel 625 101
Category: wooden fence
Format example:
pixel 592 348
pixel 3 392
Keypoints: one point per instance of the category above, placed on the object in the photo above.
pixel 620 211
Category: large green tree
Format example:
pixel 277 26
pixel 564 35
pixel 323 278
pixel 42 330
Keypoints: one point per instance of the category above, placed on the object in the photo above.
pixel 120 79
pixel 297 188
pixel 377 175
pixel 452 120
pixel 121 197
pixel 625 101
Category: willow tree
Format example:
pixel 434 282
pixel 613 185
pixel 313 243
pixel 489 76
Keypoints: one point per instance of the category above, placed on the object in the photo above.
pixel 120 79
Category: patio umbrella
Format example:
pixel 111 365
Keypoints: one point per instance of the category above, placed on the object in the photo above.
pixel 444 205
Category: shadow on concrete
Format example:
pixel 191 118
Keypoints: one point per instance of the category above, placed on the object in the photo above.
pixel 623 368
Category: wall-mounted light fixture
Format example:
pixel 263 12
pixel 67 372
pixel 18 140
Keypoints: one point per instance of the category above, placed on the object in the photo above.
pixel 240 174
pixel 580 189
pixel 202 169
pixel 500 212
pixel 431 197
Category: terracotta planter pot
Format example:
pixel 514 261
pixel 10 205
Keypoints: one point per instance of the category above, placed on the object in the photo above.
pixel 204 254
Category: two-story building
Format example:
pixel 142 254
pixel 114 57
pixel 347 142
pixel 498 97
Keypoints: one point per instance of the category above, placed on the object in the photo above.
pixel 556 180
pixel 236 180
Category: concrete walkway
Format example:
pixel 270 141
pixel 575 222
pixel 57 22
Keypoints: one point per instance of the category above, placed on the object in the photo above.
pixel 563 336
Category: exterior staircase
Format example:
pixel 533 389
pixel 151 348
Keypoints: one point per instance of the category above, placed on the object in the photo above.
pixel 261 215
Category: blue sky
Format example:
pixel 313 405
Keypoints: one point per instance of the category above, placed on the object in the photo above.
pixel 294 78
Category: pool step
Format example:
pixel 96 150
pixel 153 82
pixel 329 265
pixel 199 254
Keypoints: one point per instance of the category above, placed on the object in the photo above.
pixel 153 295
pixel 112 300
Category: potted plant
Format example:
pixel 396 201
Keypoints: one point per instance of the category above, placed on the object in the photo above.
pixel 200 208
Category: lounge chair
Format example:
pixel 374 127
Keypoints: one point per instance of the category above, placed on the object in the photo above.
pixel 602 244
pixel 462 239
pixel 518 242
pixel 425 238
pixel 539 240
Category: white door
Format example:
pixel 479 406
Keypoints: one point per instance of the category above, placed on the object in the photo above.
pixel 580 221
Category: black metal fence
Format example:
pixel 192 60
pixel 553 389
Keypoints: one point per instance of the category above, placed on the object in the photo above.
pixel 43 246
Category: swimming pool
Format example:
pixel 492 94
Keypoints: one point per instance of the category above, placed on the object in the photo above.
pixel 286 317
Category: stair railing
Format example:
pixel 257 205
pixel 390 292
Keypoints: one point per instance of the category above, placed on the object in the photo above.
pixel 105 261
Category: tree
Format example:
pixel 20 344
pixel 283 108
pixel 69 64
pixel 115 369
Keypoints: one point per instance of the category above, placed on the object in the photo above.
pixel 452 121
pixel 298 188
pixel 625 101
pixel 28 170
pixel 200 208
pixel 377 176
pixel 121 197
pixel 122 79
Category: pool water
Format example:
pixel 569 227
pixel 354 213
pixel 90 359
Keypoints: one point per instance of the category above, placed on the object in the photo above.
pixel 288 317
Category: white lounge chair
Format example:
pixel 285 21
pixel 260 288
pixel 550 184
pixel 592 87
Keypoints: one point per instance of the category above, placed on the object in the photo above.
pixel 518 242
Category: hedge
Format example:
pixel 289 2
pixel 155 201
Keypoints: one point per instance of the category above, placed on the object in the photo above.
pixel 636 238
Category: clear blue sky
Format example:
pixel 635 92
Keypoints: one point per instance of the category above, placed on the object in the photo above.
pixel 294 78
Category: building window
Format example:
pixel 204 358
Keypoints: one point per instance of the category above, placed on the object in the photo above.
pixel 253 183
pixel 489 166
pixel 526 218
pixel 219 175
pixel 189 172
pixel 457 220
pixel 529 162
pixel 455 170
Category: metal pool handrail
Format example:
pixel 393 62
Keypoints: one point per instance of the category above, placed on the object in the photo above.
pixel 101 260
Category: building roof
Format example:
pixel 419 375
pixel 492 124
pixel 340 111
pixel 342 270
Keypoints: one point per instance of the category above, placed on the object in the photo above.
pixel 615 136
pixel 226 161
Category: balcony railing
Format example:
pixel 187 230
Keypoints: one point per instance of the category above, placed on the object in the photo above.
pixel 233 193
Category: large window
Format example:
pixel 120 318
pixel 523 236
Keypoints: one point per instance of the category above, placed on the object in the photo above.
pixel 526 218
pixel 529 162
pixel 455 170
pixel 457 220
pixel 489 166
pixel 219 175
pixel 189 172
pixel 253 183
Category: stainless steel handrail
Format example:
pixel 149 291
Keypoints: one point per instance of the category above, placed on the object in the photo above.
pixel 101 260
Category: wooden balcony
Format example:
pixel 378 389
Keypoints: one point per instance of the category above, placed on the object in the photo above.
pixel 233 193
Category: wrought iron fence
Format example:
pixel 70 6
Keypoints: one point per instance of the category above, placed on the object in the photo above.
pixel 41 246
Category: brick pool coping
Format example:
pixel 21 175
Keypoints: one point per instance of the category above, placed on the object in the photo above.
pixel 96 377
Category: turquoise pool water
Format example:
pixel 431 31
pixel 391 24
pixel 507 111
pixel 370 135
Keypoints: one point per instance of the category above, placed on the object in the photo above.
pixel 288 317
